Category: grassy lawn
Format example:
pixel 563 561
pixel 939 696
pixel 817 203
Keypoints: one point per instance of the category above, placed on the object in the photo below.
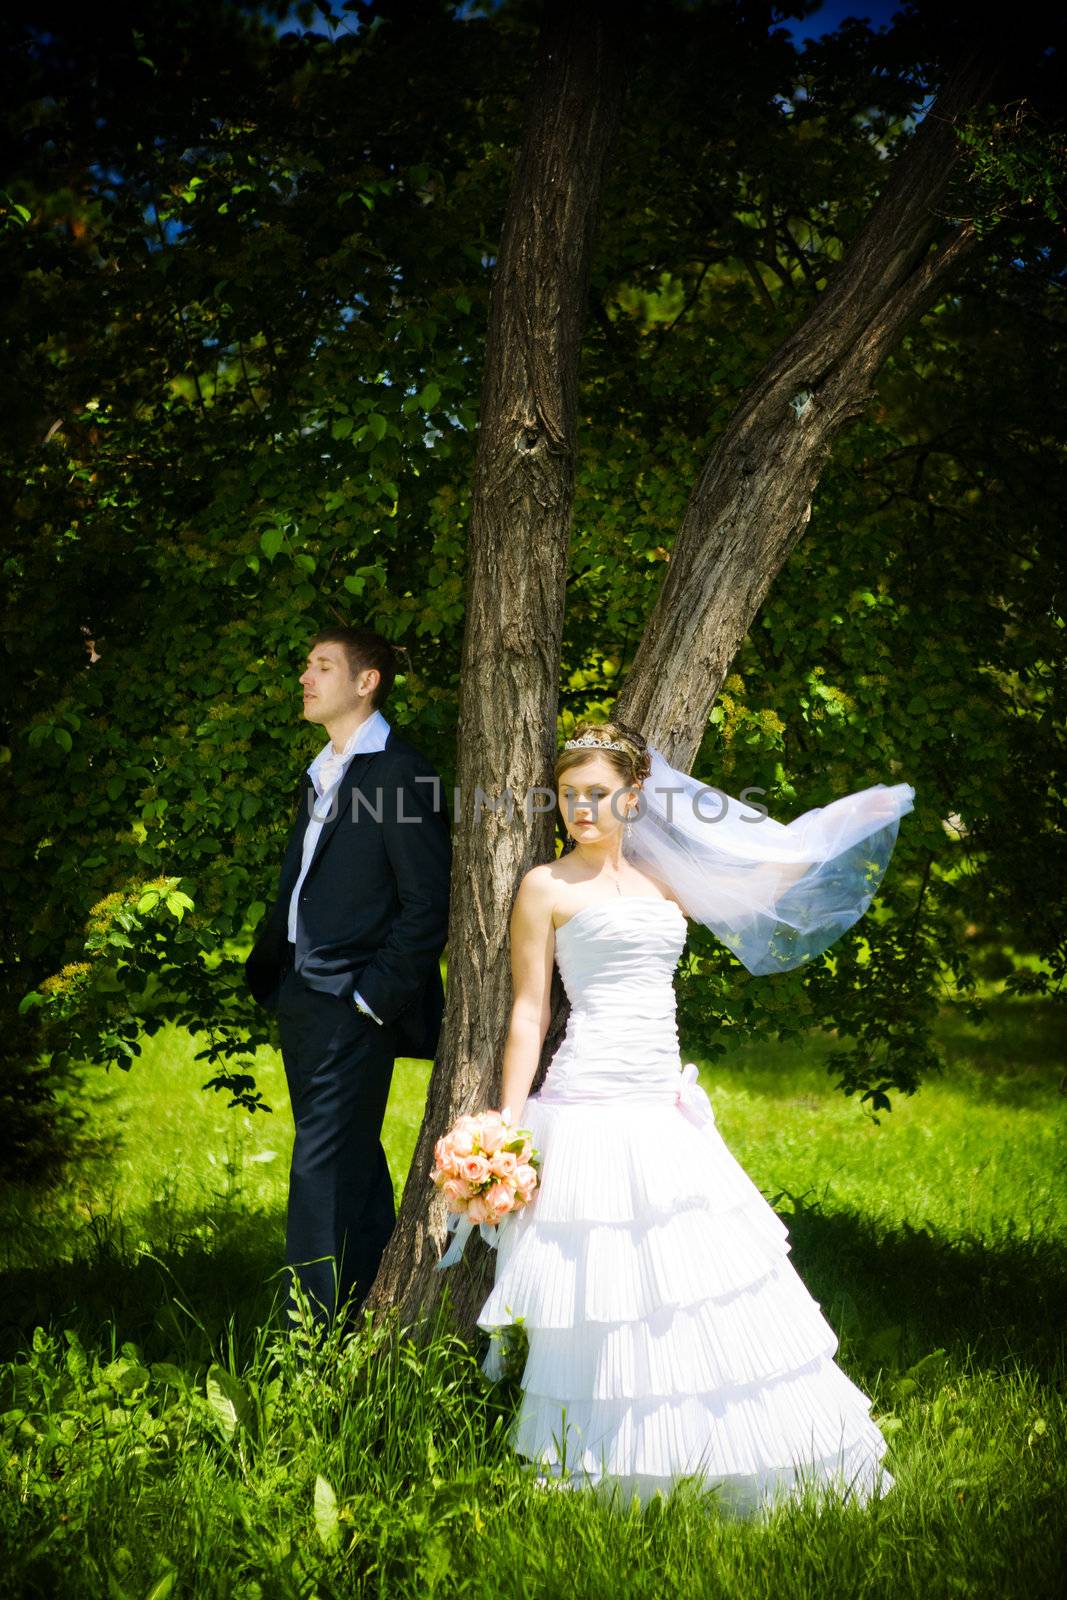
pixel 160 1437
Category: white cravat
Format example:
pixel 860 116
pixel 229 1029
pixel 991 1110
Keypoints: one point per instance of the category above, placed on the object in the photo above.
pixel 326 772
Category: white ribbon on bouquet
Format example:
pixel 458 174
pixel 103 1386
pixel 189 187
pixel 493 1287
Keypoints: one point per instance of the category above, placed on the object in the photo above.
pixel 461 1228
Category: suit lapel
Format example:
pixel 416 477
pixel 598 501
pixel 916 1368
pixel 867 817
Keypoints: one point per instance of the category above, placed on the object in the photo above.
pixel 354 773
pixel 290 868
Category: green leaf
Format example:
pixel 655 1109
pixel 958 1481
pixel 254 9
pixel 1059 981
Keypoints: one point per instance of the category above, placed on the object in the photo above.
pixel 126 1376
pixel 228 1399
pixel 166 1372
pixel 327 1517
pixel 271 541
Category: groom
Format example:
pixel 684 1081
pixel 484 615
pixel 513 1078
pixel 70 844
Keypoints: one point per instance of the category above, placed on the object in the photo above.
pixel 348 958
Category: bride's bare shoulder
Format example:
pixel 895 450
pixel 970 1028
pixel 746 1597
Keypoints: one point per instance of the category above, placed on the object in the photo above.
pixel 536 892
pixel 539 894
pixel 535 904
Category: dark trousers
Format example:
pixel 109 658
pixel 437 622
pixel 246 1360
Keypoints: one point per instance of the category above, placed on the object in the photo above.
pixel 339 1067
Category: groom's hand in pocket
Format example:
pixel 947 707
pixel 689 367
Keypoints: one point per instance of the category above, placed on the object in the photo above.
pixel 362 1006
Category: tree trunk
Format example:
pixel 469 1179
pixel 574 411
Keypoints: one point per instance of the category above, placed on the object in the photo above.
pixel 516 580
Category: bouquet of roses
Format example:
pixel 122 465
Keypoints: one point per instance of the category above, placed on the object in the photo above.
pixel 486 1169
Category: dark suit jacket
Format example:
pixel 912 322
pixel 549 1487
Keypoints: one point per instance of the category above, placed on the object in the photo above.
pixel 373 909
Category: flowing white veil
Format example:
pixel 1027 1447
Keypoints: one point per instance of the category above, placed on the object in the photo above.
pixel 777 894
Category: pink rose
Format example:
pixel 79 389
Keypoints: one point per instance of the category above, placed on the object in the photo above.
pixel 462 1141
pixel 478 1211
pixel 499 1200
pixel 503 1164
pixel 475 1169
pixel 526 1178
pixel 493 1132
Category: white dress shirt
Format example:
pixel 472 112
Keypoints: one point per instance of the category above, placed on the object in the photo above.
pixel 326 772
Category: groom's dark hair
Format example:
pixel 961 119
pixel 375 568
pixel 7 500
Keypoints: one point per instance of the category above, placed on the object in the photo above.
pixel 364 648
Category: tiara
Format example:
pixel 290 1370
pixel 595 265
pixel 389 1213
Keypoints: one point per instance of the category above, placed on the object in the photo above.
pixel 588 742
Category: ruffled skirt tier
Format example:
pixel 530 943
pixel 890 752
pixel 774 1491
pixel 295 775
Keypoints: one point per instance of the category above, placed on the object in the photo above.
pixel 668 1333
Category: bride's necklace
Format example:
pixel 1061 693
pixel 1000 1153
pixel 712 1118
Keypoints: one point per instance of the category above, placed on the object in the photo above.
pixel 618 884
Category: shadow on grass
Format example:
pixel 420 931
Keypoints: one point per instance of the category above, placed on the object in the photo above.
pixel 891 1293
pixel 895 1292
pixel 1016 1058
pixel 171 1298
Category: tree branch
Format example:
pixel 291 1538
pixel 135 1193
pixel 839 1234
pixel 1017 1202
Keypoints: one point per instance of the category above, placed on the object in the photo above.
pixel 752 500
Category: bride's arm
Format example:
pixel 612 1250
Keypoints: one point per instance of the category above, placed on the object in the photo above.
pixel 533 945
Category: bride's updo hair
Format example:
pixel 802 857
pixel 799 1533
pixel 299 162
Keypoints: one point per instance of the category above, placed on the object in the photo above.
pixel 633 764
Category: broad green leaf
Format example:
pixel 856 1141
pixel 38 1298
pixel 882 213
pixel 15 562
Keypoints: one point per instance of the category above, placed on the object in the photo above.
pixel 228 1399
pixel 327 1520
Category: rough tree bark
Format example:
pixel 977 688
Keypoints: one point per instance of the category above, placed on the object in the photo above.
pixel 518 547
pixel 747 511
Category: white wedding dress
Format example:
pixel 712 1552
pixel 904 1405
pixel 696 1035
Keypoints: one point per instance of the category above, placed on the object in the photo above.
pixel 669 1334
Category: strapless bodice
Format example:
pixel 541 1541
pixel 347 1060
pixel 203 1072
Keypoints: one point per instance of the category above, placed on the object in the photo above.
pixel 617 960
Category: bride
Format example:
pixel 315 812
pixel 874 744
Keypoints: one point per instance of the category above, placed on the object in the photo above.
pixel 668 1333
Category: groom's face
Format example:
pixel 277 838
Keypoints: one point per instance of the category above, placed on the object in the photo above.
pixel 329 691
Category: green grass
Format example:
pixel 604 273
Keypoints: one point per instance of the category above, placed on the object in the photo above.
pixel 162 1436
